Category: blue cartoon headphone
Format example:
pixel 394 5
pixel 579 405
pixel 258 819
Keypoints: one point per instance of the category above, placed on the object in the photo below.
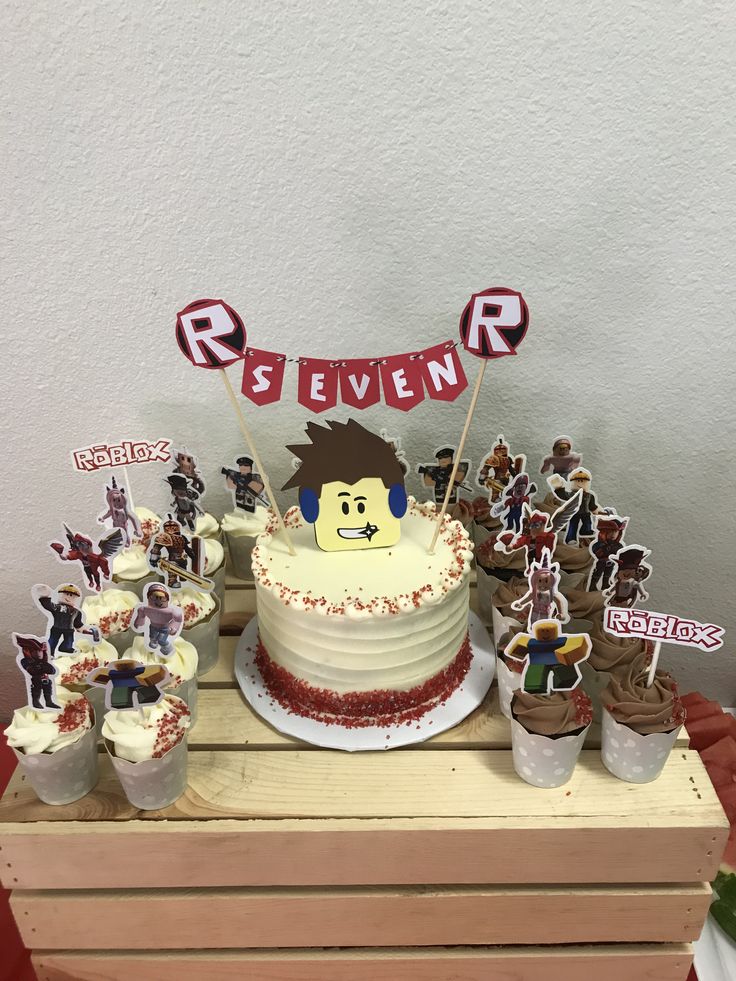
pixel 309 502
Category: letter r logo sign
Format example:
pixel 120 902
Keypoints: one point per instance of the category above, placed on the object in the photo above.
pixel 210 334
pixel 494 322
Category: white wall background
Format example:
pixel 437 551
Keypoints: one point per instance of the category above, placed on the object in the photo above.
pixel 346 175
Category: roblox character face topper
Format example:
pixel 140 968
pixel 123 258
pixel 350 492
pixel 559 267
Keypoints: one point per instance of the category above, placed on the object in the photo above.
pixel 498 469
pixel 543 599
pixel 631 571
pixel 39 673
pixel 210 334
pixel 561 461
pixel 351 487
pixel 129 684
pixel 551 658
pixel 494 322
pixel 64 617
pixel 158 619
pixel 93 557
pixel 515 497
pixel 437 476
pixel 246 485
pixel 184 556
pixel 119 513
pixel 609 541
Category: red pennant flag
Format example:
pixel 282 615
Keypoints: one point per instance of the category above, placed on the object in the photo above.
pixel 317 384
pixel 442 372
pixel 359 384
pixel 263 376
pixel 401 377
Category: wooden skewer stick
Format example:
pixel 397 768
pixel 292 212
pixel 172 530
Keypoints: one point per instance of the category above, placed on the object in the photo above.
pixel 128 489
pixel 261 469
pixel 458 454
pixel 653 665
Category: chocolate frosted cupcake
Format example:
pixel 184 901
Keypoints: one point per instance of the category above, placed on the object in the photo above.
pixel 640 722
pixel 547 734
pixel 584 605
pixel 608 656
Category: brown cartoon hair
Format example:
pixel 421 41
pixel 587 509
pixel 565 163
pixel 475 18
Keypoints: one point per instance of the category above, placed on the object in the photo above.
pixel 344 451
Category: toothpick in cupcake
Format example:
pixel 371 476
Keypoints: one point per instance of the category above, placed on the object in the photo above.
pixel 38 671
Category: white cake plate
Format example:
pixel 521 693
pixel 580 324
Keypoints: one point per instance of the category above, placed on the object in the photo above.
pixel 458 706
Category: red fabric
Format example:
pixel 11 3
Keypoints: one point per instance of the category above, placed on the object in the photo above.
pixel 442 371
pixel 15 963
pixel 401 376
pixel 263 376
pixel 317 384
pixel 359 383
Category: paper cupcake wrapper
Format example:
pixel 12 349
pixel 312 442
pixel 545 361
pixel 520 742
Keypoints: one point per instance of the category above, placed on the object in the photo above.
pixel 218 578
pixel 630 756
pixel 205 635
pixel 152 784
pixel 239 549
pixel 508 682
pixel 64 776
pixel 543 761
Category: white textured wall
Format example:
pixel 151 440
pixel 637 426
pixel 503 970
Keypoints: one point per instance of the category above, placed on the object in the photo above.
pixel 346 174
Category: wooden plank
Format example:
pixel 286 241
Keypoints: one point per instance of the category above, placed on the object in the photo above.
pixel 342 917
pixel 660 962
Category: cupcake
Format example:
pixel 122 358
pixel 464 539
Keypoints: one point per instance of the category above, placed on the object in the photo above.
pixel 111 612
pixel 241 529
pixel 72 671
pixel 214 566
pixel 547 734
pixel 130 569
pixel 206 525
pixel 201 624
pixel 640 722
pixel 182 666
pixel 148 749
pixel 508 669
pixel 57 750
pixel 608 656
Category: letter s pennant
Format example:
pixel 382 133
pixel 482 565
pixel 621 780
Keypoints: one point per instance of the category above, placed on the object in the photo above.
pixel 263 376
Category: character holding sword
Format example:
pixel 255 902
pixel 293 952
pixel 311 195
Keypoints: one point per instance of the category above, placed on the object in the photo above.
pixel 183 559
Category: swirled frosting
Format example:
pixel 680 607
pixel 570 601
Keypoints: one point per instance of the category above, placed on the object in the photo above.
pixel 508 593
pixel 556 714
pixel 214 555
pixel 584 605
pixel 239 522
pixel 149 732
pixel 72 669
pixel 646 710
pixel 111 610
pixel 197 606
pixel 32 731
pixel 613 653
pixel 182 662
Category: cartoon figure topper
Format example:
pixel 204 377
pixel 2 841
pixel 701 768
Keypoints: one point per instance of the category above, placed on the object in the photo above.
pixel 580 528
pixel 158 621
pixel 246 485
pixel 544 599
pixel 631 571
pixel 184 499
pixel 562 461
pixel 39 673
pixel 351 487
pixel 437 476
pixel 552 658
pixel 93 557
pixel 515 497
pixel 119 512
pixel 186 465
pixel 129 684
pixel 65 619
pixel 538 531
pixel 498 468
pixel 184 556
pixel 609 541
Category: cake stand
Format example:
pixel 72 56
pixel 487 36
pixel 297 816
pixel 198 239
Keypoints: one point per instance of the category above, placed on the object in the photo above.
pixel 458 706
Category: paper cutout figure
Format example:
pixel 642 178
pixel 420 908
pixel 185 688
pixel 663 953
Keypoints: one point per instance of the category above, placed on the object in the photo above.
pixel 210 334
pixel 631 571
pixel 100 456
pixel 186 465
pixel 184 499
pixel 662 627
pixel 438 476
pixel 184 556
pixel 119 513
pixel 129 684
pixel 609 529
pixel 498 469
pixel 94 558
pixel 39 673
pixel 351 487
pixel 552 659
pixel 538 531
pixel 515 497
pixel 246 486
pixel 64 617
pixel 580 528
pixel 544 599
pixel 494 322
pixel 157 619
pixel 395 443
pixel 562 461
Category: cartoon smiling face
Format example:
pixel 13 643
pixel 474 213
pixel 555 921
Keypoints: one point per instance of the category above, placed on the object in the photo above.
pixel 353 516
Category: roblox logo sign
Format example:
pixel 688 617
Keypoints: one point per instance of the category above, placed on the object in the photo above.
pixel 663 627
pixel 101 456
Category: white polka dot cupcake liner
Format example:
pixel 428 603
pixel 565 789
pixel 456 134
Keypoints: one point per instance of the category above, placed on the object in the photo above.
pixel 508 682
pixel 240 548
pixel 545 761
pixel 630 756
pixel 152 784
pixel 66 775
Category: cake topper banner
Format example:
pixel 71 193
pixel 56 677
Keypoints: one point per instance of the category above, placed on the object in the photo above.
pixel 662 627
pixel 101 456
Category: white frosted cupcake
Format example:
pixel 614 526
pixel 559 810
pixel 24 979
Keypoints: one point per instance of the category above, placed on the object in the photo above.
pixel 148 749
pixel 111 612
pixel 241 529
pixel 57 751
pixel 201 623
pixel 214 566
pixel 181 664
pixel 72 671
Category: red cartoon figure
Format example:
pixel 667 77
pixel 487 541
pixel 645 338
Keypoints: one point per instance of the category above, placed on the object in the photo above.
pixel 498 469
pixel 631 571
pixel 94 558
pixel 609 541
pixel 515 497
pixel 538 531
pixel 33 661
pixel 544 599
pixel 119 513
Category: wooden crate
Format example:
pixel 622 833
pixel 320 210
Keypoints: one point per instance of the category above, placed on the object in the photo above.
pixel 283 862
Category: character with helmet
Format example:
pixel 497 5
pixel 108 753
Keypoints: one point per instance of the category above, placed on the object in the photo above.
pixel 179 552
pixel 499 468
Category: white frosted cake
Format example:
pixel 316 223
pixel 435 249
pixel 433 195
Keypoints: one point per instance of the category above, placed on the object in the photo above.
pixel 366 637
